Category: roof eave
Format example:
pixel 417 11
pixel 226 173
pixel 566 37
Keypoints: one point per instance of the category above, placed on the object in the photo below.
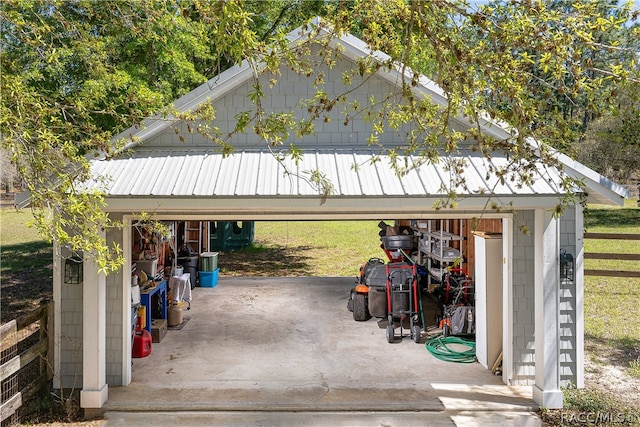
pixel 599 188
pixel 364 206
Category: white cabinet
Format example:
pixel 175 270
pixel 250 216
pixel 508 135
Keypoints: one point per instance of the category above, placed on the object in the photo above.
pixel 488 283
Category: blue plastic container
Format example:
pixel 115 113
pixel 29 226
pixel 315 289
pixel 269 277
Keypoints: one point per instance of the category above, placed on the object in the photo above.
pixel 208 279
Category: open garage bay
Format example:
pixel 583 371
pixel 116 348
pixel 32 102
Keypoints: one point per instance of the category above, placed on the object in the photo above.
pixel 282 347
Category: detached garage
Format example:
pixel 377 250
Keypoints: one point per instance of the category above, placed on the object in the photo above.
pixel 178 176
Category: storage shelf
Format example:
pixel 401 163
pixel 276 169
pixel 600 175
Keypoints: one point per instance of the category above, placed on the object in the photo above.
pixel 441 235
pixel 435 249
pixel 437 273
pixel 437 257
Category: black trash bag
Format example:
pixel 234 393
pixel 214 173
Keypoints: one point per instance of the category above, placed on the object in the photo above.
pixel 186 251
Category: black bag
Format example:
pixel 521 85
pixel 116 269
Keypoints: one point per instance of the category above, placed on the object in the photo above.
pixel 463 321
pixel 366 269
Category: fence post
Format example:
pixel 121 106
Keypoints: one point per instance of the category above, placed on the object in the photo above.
pixel 50 340
pixel 43 332
pixel 11 396
pixel 612 256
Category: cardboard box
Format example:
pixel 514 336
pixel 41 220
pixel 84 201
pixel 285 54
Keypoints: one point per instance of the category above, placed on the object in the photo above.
pixel 392 231
pixel 158 329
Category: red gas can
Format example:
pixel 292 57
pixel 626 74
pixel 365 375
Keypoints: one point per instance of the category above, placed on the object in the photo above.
pixel 141 343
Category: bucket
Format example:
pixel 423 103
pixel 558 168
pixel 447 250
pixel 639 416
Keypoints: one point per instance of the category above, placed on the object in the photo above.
pixel 174 314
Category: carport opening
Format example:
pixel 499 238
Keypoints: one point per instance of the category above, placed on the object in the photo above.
pixel 344 247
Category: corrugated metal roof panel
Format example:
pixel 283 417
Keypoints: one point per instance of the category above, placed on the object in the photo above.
pixel 208 175
pixel 124 185
pixel 304 168
pixel 429 177
pixel 390 183
pixel 481 181
pixel 247 182
pixel 326 163
pixel 259 173
pixel 268 178
pixel 173 167
pixel 289 184
pixel 349 178
pixel 411 180
pixel 151 169
pixel 228 176
pixel 368 173
pixel 189 174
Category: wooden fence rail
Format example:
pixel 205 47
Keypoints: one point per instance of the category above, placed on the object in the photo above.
pixel 14 360
pixel 612 256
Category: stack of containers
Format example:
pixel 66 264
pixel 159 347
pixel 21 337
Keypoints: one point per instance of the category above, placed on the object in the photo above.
pixel 208 271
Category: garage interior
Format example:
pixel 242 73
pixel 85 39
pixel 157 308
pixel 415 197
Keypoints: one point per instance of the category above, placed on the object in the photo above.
pixel 290 343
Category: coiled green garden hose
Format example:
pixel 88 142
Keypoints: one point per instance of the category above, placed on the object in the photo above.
pixel 439 347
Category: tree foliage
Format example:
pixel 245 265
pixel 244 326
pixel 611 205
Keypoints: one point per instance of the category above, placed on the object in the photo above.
pixel 612 142
pixel 75 73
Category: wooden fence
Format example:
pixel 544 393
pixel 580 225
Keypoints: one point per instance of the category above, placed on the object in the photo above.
pixel 612 256
pixel 24 357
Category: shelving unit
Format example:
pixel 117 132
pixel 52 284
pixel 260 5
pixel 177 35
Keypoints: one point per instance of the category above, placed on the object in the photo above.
pixel 149 251
pixel 435 250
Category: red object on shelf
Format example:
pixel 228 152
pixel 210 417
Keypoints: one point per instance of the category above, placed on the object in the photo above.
pixel 141 343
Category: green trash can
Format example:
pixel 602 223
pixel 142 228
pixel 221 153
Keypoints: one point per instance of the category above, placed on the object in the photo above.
pixel 208 261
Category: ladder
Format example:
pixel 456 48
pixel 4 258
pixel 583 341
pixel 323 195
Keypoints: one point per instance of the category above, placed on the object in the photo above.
pixel 193 235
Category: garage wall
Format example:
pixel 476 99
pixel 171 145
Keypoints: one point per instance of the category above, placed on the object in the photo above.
pixel 523 304
pixel 523 299
pixel 570 354
pixel 70 375
pixel 286 96
pixel 71 327
pixel 115 316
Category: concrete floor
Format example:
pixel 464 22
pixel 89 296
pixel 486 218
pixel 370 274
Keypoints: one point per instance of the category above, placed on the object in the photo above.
pixel 286 351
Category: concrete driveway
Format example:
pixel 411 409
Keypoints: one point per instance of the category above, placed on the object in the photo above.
pixel 286 351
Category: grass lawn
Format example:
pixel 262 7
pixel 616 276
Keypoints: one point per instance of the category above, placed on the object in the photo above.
pixel 310 248
pixel 25 265
pixel 611 303
pixel 612 316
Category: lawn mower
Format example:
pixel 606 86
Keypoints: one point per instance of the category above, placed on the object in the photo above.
pixel 457 304
pixel 359 298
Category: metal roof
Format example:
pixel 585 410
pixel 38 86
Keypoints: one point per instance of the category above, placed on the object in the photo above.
pixel 194 172
pixel 167 172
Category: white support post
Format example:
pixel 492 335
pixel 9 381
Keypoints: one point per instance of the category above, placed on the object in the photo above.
pixel 94 337
pixel 126 303
pixel 546 390
pixel 579 278
pixel 507 302
pixel 57 314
